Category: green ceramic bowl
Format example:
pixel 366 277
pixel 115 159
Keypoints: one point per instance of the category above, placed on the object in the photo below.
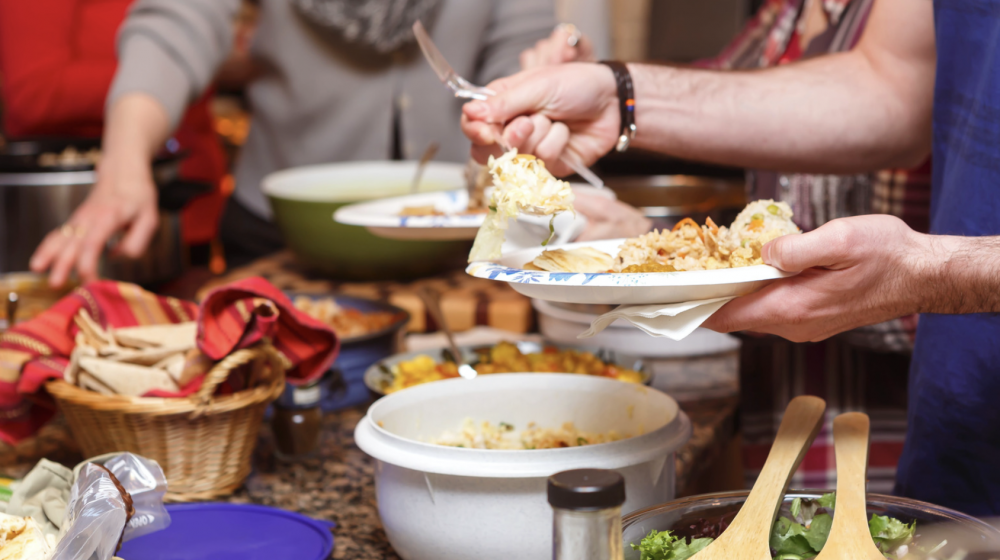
pixel 305 198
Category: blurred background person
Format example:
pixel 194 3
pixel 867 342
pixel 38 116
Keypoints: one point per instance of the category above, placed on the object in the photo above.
pixel 331 80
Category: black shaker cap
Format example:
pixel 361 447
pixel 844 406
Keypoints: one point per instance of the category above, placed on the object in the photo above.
pixel 585 489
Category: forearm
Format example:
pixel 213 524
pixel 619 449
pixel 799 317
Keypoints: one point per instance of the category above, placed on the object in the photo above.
pixel 849 112
pixel 959 275
pixel 829 115
pixel 136 127
pixel 171 49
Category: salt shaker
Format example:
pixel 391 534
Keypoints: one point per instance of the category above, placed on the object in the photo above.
pixel 587 514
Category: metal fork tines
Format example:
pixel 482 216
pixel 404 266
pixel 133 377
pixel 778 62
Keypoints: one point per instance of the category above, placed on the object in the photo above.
pixel 467 90
pixel 462 87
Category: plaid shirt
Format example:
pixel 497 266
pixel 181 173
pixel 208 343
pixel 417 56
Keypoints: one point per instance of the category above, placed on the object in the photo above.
pixel 864 369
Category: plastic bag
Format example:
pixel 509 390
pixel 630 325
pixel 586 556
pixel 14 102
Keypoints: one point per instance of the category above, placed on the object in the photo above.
pixel 144 480
pixel 96 514
pixel 94 520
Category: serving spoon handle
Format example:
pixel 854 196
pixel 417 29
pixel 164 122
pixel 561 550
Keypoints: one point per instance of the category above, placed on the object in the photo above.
pixel 850 538
pixel 747 537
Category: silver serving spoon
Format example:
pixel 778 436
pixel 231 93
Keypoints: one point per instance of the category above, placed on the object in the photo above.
pixel 429 154
pixel 430 299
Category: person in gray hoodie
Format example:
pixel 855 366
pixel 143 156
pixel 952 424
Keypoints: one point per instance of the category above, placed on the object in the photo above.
pixel 337 80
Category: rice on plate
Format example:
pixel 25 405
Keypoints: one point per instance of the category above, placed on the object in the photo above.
pixel 687 247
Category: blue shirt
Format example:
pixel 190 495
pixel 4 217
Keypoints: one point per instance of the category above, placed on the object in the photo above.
pixel 952 451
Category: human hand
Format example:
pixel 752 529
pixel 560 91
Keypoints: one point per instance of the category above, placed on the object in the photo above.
pixel 124 198
pixel 565 44
pixel 547 110
pixel 608 218
pixel 854 272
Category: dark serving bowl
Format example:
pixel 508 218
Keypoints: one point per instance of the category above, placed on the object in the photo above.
pixel 689 516
pixel 345 385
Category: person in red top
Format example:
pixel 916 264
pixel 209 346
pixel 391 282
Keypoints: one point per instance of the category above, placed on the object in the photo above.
pixel 57 60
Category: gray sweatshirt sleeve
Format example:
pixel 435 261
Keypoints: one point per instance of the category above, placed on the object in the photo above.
pixel 516 25
pixel 171 49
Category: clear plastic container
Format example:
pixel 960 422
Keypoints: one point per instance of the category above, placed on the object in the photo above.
pixel 934 523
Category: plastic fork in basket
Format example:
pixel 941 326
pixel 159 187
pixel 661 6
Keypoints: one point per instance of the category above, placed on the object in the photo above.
pixel 467 90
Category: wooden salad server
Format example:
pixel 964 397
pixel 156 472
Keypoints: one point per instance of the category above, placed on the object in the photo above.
pixel 849 537
pixel 747 536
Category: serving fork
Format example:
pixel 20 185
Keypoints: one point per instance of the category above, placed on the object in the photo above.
pixel 467 90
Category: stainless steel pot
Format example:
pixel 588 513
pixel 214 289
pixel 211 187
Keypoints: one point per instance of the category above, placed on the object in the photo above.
pixel 36 199
pixel 668 199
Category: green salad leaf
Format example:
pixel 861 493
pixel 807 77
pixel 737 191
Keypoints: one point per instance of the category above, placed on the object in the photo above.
pixel 663 545
pixel 827 500
pixel 794 541
pixel 890 533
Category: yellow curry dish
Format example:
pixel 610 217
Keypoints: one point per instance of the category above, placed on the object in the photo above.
pixel 506 357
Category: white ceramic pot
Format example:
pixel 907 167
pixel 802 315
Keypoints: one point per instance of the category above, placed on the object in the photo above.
pixel 442 503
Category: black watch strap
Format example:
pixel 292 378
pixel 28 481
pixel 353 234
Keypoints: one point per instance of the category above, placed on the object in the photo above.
pixel 626 103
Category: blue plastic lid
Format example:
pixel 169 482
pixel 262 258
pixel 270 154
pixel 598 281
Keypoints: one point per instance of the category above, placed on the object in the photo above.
pixel 221 531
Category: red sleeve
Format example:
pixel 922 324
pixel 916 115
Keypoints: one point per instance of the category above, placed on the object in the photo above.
pixel 57 62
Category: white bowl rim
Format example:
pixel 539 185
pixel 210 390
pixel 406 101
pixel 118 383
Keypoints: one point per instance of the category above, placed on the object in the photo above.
pixel 492 463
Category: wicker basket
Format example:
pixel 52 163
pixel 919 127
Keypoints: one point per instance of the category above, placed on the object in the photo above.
pixel 203 443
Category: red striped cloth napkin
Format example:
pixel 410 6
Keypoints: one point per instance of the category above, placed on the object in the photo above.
pixel 231 317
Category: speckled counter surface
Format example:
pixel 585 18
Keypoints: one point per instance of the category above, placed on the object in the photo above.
pixel 337 484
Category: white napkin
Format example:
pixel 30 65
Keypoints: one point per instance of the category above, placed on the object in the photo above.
pixel 672 320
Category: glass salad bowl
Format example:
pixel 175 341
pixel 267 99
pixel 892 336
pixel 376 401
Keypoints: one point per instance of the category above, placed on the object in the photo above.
pixel 709 514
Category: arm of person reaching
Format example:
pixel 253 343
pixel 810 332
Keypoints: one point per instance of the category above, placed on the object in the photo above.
pixel 865 109
pixel 168 52
pixel 861 271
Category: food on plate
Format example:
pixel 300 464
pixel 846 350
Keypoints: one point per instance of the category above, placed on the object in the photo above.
pixel 799 533
pixel 582 259
pixel 523 185
pixel 761 221
pixel 485 435
pixel 346 322
pixel 431 210
pixel 506 357
pixel 134 361
pixel 687 246
pixel 70 157
pixel 478 179
pixel 22 539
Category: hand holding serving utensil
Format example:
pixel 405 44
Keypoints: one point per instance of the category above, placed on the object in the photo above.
pixel 467 90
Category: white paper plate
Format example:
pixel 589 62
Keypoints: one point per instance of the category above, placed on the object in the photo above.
pixel 382 218
pixel 618 289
